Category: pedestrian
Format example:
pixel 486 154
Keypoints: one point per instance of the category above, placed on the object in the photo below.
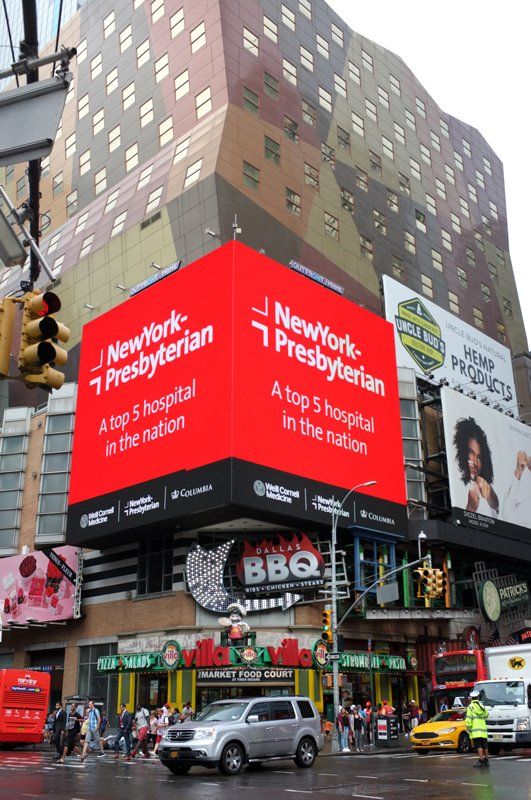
pixel 73 727
pixel 405 713
pixel 388 709
pixel 153 724
pixel 142 730
pixel 368 721
pixel 187 714
pixel 444 705
pixel 92 733
pixel 163 724
pixel 125 725
pixel 414 714
pixel 357 725
pixel 58 729
pixel 104 724
pixel 343 727
pixel 476 725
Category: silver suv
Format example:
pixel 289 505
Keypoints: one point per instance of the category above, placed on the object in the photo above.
pixel 231 733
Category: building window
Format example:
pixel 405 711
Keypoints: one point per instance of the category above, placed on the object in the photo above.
pixel 128 96
pixel 142 53
pixel 251 43
pixel 435 141
pixel 501 332
pixel 347 200
pixel 288 17
pixel 203 103
pixel 157 10
pixel 456 222
pixel 472 193
pixel 430 205
pixel 388 148
pixel 362 179
pixel 375 163
pixel 453 302
pixel 131 157
pixel 126 38
pixel 154 199
pixel 466 148
pixel 162 68
pixel 155 565
pixel 95 66
pixel 436 260
pixel 404 184
pixel 397 268
pixel 144 177
pixel 192 173
pixel 394 83
pixel 311 176
pixel 115 139
pixel 54 241
pixel 198 37
pixel 165 131
pixel 379 222
pixel 81 51
pixel 331 226
pixel 487 165
pixel 493 210
pixel 427 285
pixel 270 29
pixel 337 35
pixel 410 120
pixel 251 101
pixel 458 160
pixel 421 108
pixel 340 85
pixel 445 130
pixel 306 58
pixel 462 278
pixel 182 84
pixel 322 46
pixel 21 187
pixel 400 133
pixel 112 199
pixel 271 86
pixel 493 272
pixel 98 122
pixel 146 113
pixel 100 181
pixel 410 242
pixel 470 256
pixel 181 150
pixel 478 317
pixel 328 155
pixel 111 81
pixel 420 220
pixel 325 99
pixel 366 248
pixel 177 23
pixel 71 203
pixel 383 97
pixel 371 110
pixel 70 145
pixel 293 202
pixel 309 114
pixel 440 188
pixel 343 139
pixel 291 129
pixel 84 162
pixel 425 154
pixel 500 256
pixel 289 71
pixel 479 241
pixel 81 223
pixel 485 291
pixel 446 240
pixel 358 125
pixel 486 225
pixel 415 168
pixel 507 308
pixel 465 208
pixel 83 106
pixel 354 73
pixel 118 223
pixel 251 176
pixel 305 7
pixel 366 60
pixel 85 246
pixel 392 201
pixel 272 150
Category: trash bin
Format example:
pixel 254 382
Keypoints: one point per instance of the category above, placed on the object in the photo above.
pixel 386 732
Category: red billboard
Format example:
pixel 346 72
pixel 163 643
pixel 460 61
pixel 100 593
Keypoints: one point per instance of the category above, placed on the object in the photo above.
pixel 235 382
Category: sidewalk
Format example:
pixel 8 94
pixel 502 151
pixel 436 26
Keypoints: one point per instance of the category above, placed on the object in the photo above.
pixel 331 748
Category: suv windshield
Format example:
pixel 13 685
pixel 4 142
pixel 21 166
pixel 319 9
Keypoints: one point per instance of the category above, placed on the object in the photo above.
pixel 222 712
pixel 503 693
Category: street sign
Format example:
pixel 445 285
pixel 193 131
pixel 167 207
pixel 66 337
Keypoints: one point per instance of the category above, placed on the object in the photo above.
pixel 334 656
pixel 387 593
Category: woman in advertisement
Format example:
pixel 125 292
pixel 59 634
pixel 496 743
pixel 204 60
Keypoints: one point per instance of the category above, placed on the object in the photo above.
pixel 517 505
pixel 474 460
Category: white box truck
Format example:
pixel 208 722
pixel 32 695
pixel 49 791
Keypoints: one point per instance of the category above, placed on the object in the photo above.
pixel 507 695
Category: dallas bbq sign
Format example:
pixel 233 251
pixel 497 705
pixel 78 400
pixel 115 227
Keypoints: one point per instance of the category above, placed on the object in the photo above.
pixel 280 565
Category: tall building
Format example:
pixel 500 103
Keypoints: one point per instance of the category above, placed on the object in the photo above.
pixel 182 126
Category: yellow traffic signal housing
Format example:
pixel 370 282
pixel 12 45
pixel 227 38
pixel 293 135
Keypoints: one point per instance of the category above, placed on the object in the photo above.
pixel 424 576
pixel 439 583
pixel 7 316
pixel 39 351
pixel 327 635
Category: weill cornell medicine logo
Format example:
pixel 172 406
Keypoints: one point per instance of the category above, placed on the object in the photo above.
pixel 420 334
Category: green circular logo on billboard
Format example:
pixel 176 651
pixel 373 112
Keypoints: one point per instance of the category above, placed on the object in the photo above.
pixel 490 601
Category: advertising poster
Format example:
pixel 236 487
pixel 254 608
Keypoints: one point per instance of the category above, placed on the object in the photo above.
pixel 39 586
pixel 434 342
pixel 489 466
pixel 235 381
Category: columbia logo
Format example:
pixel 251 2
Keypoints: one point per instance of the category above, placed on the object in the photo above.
pixel 363 514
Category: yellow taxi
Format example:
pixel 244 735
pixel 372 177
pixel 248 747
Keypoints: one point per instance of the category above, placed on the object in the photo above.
pixel 445 731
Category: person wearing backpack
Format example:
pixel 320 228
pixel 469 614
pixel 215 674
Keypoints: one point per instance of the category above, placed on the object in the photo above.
pixel 142 730
pixel 92 733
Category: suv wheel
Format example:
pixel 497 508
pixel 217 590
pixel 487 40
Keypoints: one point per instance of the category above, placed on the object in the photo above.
pixel 306 753
pixel 179 769
pixel 232 758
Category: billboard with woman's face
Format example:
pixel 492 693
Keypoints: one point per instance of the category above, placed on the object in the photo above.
pixel 489 465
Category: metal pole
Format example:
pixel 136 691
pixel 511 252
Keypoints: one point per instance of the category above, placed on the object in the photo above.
pixel 30 48
pixel 333 564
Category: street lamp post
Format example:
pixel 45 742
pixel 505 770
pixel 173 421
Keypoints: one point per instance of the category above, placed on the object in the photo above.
pixel 333 561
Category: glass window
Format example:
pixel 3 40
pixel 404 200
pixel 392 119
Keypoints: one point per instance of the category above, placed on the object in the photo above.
pixel 203 103
pixel 81 51
pixel 10 480
pixel 288 17
pixel 358 125
pixel 331 226
pixel 71 203
pixel 388 148
pixel 485 291
pixel 487 165
pixel 58 462
pixel 131 157
pixel 472 193
pixel 453 302
pixel 420 220
pixel 507 307
pixel 400 133
pixel 397 268
pixel 427 285
pixel 162 68
pixel 198 37
pixel 501 332
pixel 251 101
pixel 409 242
pixel 392 200
pixel 437 260
pixel 82 111
pixel 383 97
pixel 309 114
pixel 144 177
pixel 366 247
pixel 347 200
pixel 70 145
pixel 270 29
pixel 118 223
pixel 325 99
pixel 462 277
pixel 192 173
pixel 56 482
pixel 84 162
pixel 394 83
pixel 328 154
pixel 415 168
pixel 362 179
pixel 115 139
pixel 305 7
pixel 291 129
pixel 340 85
pixel 85 247
pixel 322 46
pixel 435 141
pixel 337 35
pixel 271 86
pixel 404 184
pixel 272 150
pixel 379 222
pixel 366 60
pixel 111 201
pixel 126 38
pixel 343 138
pixel 182 84
pixel 371 110
pixel 446 239
pixel 306 58
pixel 430 204
pixel 177 23
pixel 289 71
pixel 251 176
pixel 142 54
pixel 410 120
pixel 456 222
pixel 251 43
pixel 375 163
pixel 154 199
pixel 96 66
pixel 311 176
pixel 282 709
pixel 181 150
pixel 293 202
pixel 111 80
pixel 155 565
pixel 478 317
pixel 440 188
pixel 354 73
pixel 146 113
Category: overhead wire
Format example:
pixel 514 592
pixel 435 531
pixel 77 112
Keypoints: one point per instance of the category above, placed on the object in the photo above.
pixel 57 34
pixel 9 35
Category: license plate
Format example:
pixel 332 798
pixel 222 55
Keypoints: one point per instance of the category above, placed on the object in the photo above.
pixel 425 744
pixel 497 736
pixel 174 754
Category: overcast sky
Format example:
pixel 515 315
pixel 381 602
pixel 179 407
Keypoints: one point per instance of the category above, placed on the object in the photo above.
pixel 473 58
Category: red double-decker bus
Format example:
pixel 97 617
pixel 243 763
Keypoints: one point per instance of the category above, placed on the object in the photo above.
pixel 454 672
pixel 24 698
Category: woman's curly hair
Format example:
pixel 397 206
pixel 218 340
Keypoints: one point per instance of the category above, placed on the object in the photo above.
pixel 466 429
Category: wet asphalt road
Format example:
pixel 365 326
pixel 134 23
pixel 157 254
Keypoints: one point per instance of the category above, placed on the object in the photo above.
pixel 390 776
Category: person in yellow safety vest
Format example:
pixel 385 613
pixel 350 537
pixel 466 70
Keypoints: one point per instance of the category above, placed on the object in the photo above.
pixel 476 725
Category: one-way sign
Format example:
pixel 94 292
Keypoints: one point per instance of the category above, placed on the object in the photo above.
pixel 334 656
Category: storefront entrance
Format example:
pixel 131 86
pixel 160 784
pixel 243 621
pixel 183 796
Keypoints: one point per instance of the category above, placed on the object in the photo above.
pixel 210 694
pixel 152 690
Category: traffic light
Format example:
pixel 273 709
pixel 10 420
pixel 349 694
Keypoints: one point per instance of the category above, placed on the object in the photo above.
pixel 39 351
pixel 7 314
pixel 439 583
pixel 327 634
pixel 425 579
